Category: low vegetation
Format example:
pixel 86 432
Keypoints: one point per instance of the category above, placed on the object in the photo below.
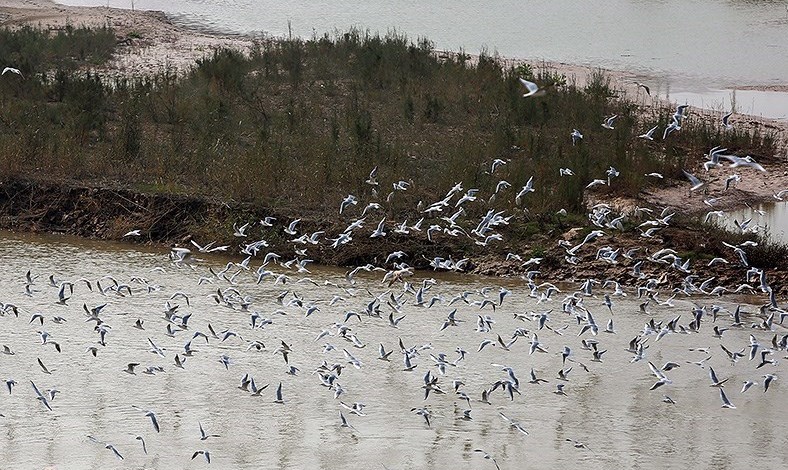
pixel 297 125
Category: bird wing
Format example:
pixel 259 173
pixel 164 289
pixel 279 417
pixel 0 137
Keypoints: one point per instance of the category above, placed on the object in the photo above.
pixel 531 86
pixel 38 392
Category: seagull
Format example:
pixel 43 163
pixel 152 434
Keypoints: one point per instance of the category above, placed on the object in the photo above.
pixel 155 349
pixel 487 456
pixel 673 126
pixel 11 70
pixel 576 136
pixel 204 453
pixel 767 379
pixel 423 412
pixel 43 367
pixel 279 399
pixel 662 379
pixel 696 183
pixel 648 135
pixel 528 188
pixel 725 121
pixel 144 448
pixel 533 88
pixel 240 231
pixel 344 423
pixel 608 124
pixel 715 382
pixel 349 200
pixel 747 384
pixel 203 435
pixel 644 87
pixel 596 182
pixel 39 397
pixel 151 415
pixel 290 230
pixel 725 402
pixel 114 451
pixel 496 164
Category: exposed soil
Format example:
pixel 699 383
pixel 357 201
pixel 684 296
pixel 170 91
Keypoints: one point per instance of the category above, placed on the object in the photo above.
pixel 108 213
pixel 148 41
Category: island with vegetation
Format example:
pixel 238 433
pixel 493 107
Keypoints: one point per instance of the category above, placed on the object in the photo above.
pixel 289 128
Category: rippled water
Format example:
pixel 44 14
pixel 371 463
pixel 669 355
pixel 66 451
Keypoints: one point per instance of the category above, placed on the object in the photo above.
pixel 690 43
pixel 609 408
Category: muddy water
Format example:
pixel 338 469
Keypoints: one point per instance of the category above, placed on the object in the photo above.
pixel 770 219
pixel 609 408
pixel 760 103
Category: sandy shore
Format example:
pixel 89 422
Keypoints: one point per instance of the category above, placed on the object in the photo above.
pixel 149 41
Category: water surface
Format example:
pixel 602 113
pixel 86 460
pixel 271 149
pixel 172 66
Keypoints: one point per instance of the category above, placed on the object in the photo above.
pixel 609 408
pixel 770 219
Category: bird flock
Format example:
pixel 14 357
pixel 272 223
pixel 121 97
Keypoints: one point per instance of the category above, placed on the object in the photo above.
pixel 265 327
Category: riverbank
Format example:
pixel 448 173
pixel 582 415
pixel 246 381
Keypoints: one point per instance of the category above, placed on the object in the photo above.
pixel 289 131
pixel 107 213
pixel 149 43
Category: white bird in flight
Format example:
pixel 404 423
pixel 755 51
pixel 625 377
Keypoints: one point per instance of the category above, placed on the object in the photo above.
pixel 533 88
pixel 12 70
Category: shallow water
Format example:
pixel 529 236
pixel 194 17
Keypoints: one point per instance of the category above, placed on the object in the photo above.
pixel 687 43
pixel 765 104
pixel 610 408
pixel 771 219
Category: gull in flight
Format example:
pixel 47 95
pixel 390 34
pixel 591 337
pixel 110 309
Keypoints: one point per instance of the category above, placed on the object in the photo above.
pixel 203 435
pixel 279 399
pixel 696 183
pixel 205 454
pixel 349 200
pixel 528 188
pixel 40 397
pixel 715 382
pixel 151 415
pixel 608 124
pixel 725 121
pixel 747 385
pixel 290 230
pixel 645 87
pixel 533 88
pixel 725 402
pixel 487 456
pixel 11 70
pixel 648 135
pixel 240 231
pixel 144 447
pixel 576 136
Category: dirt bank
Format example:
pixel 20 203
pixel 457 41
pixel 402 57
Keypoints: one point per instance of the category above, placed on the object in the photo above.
pixel 148 41
pixel 168 219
